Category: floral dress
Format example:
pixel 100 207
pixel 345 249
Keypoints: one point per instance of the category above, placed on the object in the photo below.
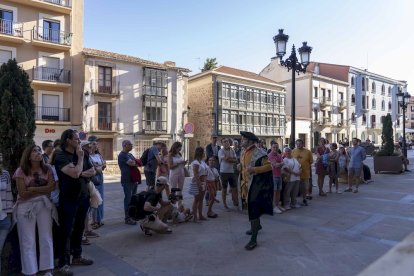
pixel 333 169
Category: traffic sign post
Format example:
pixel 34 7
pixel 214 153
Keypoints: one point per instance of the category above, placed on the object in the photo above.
pixel 189 128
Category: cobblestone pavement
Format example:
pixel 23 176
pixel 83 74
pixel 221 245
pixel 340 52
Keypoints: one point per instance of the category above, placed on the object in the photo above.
pixel 337 235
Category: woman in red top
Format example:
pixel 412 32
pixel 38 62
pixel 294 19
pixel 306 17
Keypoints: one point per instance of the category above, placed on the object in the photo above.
pixel 321 167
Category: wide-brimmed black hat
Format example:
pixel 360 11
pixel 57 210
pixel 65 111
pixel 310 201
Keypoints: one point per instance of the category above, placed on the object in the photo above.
pixel 249 135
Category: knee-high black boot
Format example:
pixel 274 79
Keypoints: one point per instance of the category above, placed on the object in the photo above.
pixel 255 224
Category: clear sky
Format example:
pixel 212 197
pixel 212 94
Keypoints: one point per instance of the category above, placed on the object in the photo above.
pixel 373 34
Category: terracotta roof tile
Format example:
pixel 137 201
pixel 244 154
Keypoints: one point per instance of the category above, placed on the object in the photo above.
pixel 334 71
pixel 127 58
pixel 242 73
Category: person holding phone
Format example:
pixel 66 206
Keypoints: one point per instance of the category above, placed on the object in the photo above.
pixel 176 165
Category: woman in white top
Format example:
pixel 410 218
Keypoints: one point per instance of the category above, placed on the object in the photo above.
pixel 198 183
pixel 291 170
pixel 176 165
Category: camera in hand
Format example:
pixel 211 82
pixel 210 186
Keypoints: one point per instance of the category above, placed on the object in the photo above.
pixel 175 195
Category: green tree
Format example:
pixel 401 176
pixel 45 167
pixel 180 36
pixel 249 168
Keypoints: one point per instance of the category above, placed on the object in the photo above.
pixel 17 114
pixel 209 64
pixel 387 137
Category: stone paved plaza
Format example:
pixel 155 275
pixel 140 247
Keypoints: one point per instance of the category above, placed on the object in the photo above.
pixel 338 235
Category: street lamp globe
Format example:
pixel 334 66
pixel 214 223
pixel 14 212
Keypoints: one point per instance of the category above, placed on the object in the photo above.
pixel 280 41
pixel 304 52
pixel 407 96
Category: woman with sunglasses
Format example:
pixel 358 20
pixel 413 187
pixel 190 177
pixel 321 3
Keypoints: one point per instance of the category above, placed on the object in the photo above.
pixel 35 182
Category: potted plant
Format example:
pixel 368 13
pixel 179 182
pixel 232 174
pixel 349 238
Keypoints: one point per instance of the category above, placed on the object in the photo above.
pixel 385 160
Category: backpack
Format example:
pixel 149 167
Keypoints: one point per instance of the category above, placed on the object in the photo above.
pixel 144 157
pixel 325 160
pixel 136 206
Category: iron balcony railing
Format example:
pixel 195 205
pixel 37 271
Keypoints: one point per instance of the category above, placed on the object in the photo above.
pixel 45 113
pixel 52 36
pixel 63 3
pixel 11 28
pixel 51 74
pixel 105 123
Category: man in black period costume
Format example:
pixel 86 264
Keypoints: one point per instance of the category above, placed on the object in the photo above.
pixel 256 184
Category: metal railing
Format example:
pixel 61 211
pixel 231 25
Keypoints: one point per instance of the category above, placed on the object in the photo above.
pixel 105 123
pixel 44 113
pixel 51 74
pixel 9 27
pixel 63 3
pixel 324 100
pixel 52 36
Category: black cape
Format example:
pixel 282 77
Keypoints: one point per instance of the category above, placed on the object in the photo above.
pixel 260 197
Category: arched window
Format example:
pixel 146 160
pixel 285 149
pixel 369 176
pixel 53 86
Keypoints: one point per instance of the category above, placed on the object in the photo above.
pixel 383 89
pixel 353 117
pixel 353 99
pixel 373 87
pixel 389 91
pixel 353 134
pixel 383 105
pixel 389 106
pixel 374 104
pixel 352 81
pixel 363 84
pixel 363 136
pixel 364 119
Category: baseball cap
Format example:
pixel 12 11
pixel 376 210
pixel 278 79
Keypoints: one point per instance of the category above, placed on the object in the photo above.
pixel 85 142
pixel 162 180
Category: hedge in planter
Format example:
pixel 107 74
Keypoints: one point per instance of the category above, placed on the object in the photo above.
pixel 385 160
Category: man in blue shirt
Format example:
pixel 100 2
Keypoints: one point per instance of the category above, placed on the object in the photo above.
pixel 153 161
pixel 125 161
pixel 357 155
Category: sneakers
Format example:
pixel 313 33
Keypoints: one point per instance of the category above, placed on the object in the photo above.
pixel 287 207
pixel 64 271
pixel 277 210
pixel 81 261
pixel 130 221
pixel 282 209
pixel 91 234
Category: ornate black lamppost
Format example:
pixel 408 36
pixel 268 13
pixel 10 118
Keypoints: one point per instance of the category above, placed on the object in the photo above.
pixel 403 101
pixel 292 63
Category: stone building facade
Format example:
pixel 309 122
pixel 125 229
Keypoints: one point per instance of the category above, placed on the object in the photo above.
pixel 225 101
pixel 127 97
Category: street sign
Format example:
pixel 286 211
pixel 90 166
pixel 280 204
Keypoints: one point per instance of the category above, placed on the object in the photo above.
pixel 188 135
pixel 189 128
pixel 82 135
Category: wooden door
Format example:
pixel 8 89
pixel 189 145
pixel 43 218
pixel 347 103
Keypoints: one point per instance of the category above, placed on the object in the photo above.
pixel 106 148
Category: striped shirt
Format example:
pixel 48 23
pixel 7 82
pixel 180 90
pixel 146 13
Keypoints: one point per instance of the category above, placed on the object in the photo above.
pixel 5 193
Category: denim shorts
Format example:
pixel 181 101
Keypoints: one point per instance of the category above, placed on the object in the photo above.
pixel 277 183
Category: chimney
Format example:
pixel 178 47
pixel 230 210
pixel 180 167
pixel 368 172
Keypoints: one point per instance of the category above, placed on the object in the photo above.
pixel 316 69
pixel 169 63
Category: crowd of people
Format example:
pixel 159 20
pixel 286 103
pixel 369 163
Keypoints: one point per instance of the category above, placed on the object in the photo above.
pixel 60 189
pixel 59 202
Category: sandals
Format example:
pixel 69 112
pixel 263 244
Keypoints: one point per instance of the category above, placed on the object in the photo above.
pixel 96 225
